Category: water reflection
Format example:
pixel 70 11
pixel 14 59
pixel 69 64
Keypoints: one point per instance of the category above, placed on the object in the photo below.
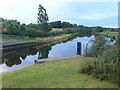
pixel 43 52
pixel 17 58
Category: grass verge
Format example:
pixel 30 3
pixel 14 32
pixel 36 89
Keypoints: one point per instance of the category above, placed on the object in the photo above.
pixel 54 74
pixel 24 40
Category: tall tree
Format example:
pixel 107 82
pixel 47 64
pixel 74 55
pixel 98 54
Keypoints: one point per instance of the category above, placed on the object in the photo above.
pixel 43 18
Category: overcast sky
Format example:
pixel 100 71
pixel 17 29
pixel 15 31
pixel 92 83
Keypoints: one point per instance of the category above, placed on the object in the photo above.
pixel 81 12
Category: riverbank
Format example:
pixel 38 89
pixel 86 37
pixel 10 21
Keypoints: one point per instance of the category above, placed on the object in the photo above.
pixel 110 34
pixel 40 61
pixel 14 39
pixel 54 74
pixel 36 41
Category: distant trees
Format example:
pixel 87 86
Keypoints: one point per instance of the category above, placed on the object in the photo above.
pixel 42 29
pixel 11 26
pixel 15 28
pixel 42 19
pixel 98 29
pixel 66 25
pixel 56 24
pixel 59 24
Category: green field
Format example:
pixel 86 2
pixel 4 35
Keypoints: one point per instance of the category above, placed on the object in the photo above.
pixel 110 33
pixel 54 74
pixel 56 29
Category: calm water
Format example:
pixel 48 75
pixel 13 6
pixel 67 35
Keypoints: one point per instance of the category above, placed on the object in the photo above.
pixel 18 58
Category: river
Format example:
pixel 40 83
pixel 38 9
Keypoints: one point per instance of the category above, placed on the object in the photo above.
pixel 18 58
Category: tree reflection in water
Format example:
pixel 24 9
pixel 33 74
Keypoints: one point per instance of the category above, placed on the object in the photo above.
pixel 15 58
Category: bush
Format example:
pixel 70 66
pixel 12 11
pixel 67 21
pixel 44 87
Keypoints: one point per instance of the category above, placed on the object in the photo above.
pixel 99 45
pixel 106 67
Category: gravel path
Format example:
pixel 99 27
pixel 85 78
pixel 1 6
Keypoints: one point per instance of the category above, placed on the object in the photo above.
pixel 8 40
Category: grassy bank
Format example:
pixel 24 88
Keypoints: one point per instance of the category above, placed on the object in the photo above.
pixel 21 41
pixel 52 37
pixel 54 74
pixel 24 40
pixel 110 33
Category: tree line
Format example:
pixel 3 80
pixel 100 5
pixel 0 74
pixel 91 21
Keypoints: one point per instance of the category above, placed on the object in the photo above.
pixel 13 27
pixel 43 27
pixel 59 24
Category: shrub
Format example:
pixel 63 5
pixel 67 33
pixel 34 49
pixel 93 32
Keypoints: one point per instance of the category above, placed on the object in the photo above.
pixel 99 45
pixel 105 67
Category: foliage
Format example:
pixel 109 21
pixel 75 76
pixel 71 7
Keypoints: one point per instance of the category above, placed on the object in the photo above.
pixel 45 27
pixel 42 15
pixel 14 27
pixel 105 67
pixel 11 26
pixel 99 44
pixel 59 24
pixel 114 35
pixel 111 34
pixel 42 19
pixel 98 29
pixel 56 24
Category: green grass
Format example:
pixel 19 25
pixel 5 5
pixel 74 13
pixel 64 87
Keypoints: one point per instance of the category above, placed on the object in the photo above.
pixel 53 74
pixel 110 33
pixel 24 40
pixel 20 40
pixel 15 37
